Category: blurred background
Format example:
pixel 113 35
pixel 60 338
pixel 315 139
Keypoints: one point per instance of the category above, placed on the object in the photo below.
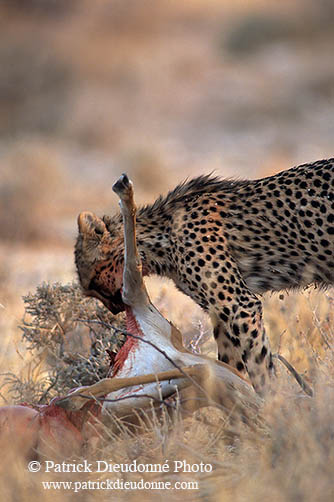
pixel 160 89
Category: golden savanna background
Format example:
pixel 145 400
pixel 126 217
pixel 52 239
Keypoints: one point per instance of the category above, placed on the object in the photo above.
pixel 162 90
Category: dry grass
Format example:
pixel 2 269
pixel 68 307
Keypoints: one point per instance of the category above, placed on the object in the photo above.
pixel 287 458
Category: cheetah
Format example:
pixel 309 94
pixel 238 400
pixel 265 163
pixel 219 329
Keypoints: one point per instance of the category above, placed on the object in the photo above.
pixel 224 243
pixel 138 367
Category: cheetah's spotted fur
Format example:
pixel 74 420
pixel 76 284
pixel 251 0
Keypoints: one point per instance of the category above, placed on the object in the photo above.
pixel 224 243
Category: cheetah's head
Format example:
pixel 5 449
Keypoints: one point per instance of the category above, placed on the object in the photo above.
pixel 99 259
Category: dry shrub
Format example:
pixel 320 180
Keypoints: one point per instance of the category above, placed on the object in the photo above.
pixel 52 8
pixel 30 180
pixel 65 352
pixel 256 29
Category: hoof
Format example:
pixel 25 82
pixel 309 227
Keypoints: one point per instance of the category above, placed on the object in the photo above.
pixel 122 185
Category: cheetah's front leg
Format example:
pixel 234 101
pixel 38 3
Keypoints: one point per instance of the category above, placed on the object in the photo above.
pixel 239 329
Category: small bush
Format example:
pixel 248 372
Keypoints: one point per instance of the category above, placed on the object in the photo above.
pixel 67 349
pixel 256 31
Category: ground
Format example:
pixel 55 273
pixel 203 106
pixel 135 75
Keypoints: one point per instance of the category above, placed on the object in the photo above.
pixel 97 89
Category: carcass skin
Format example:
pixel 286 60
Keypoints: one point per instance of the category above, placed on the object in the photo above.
pixel 46 430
